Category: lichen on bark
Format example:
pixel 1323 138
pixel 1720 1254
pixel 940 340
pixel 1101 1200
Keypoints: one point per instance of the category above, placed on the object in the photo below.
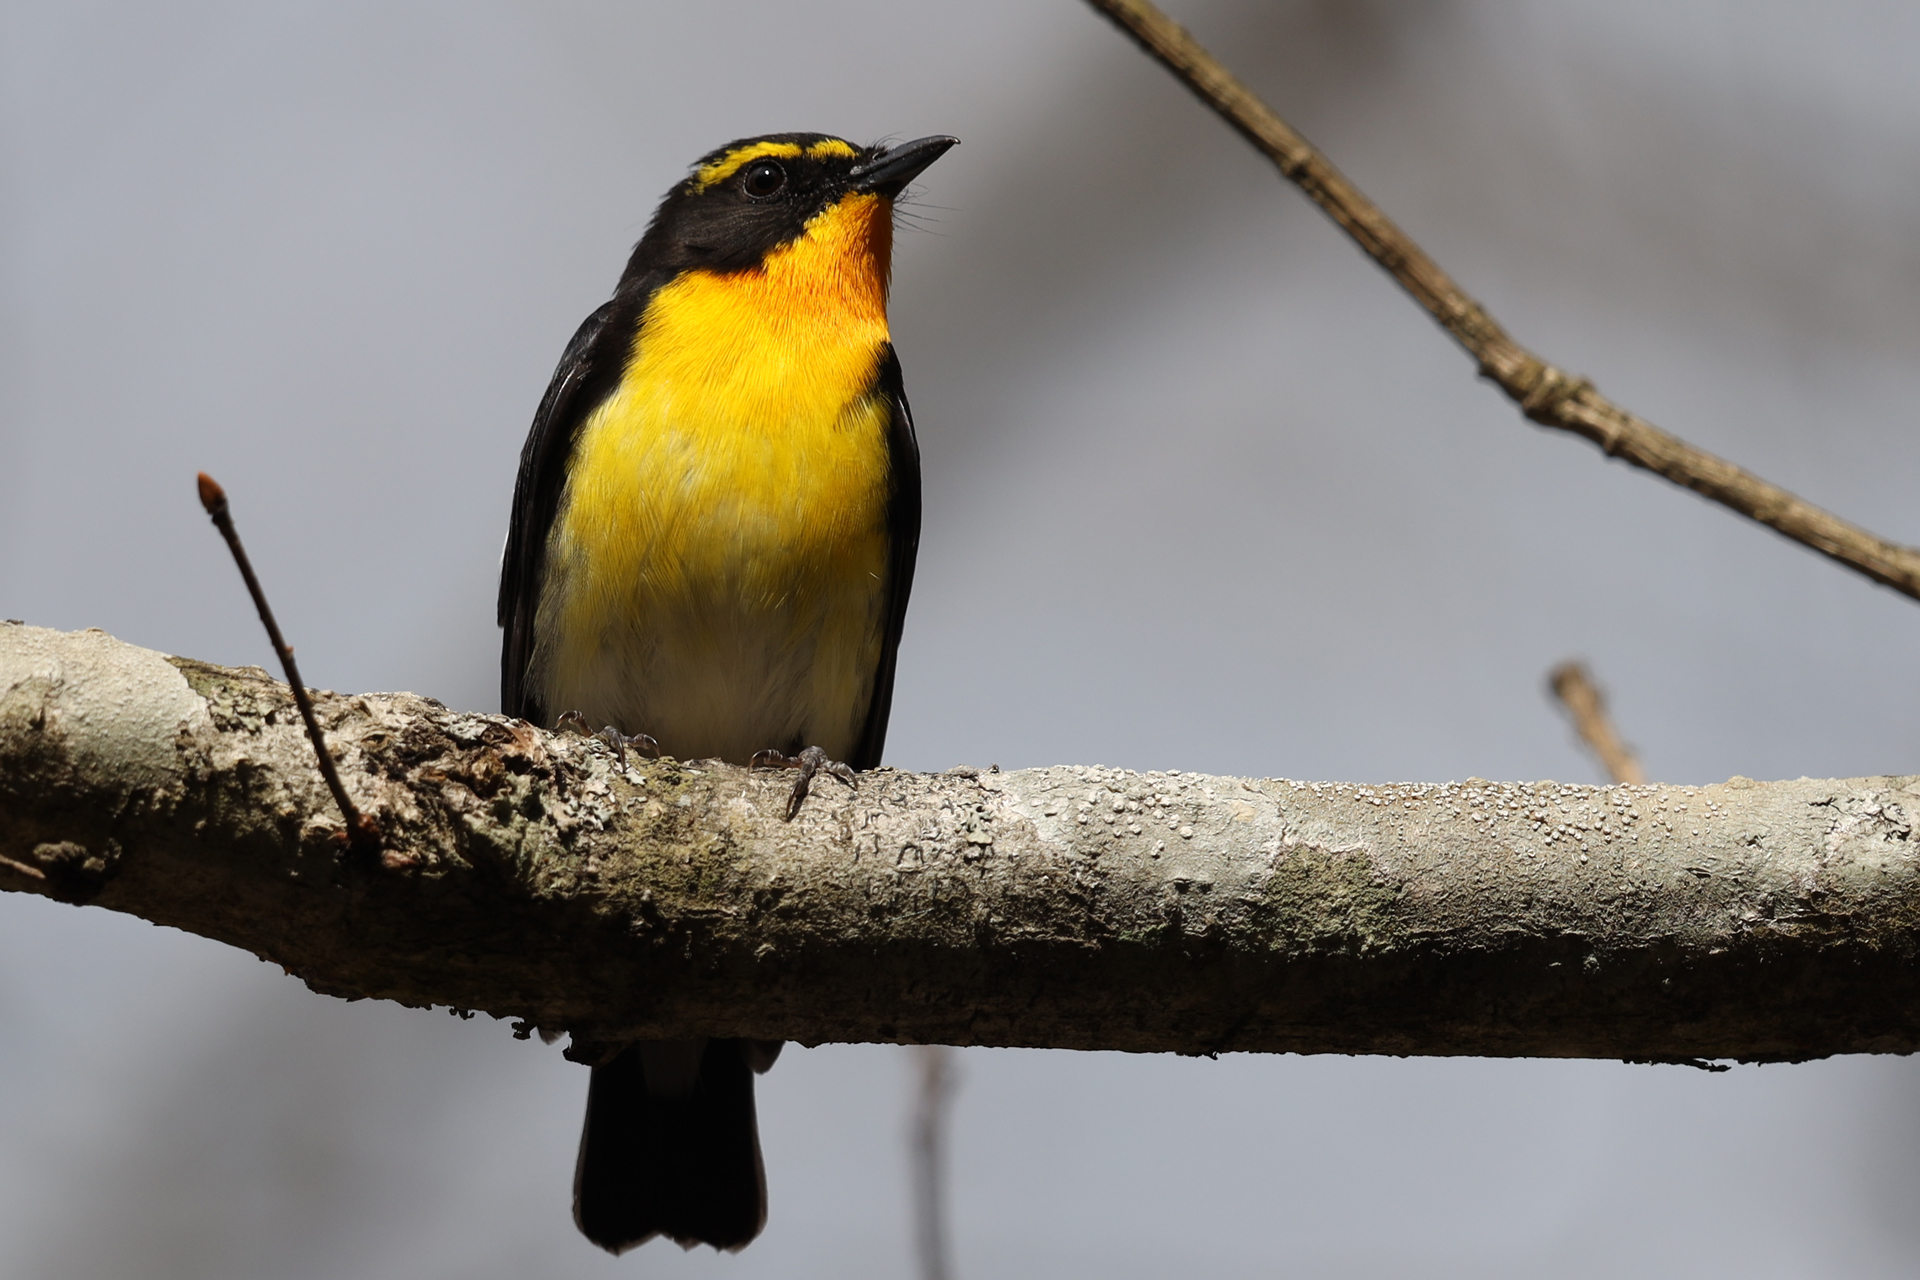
pixel 532 876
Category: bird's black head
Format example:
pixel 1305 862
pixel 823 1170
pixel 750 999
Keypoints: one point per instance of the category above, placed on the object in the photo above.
pixel 751 196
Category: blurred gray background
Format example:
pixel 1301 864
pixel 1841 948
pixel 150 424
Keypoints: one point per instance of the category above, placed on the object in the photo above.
pixel 1204 491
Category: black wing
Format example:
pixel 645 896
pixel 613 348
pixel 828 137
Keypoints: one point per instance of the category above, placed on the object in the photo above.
pixel 903 530
pixel 588 373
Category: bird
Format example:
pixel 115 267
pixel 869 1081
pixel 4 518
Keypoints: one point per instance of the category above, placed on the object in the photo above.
pixel 710 551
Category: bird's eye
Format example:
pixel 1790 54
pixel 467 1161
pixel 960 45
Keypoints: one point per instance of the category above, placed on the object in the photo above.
pixel 764 178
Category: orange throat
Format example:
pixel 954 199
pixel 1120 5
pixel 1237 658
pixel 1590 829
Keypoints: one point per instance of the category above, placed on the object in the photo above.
pixel 831 280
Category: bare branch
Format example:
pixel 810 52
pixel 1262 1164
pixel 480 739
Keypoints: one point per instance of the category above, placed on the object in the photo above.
pixel 1584 702
pixel 934 1066
pixel 1548 395
pixel 526 875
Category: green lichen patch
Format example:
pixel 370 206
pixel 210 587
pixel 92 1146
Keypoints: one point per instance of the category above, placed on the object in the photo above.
pixel 1326 902
pixel 237 697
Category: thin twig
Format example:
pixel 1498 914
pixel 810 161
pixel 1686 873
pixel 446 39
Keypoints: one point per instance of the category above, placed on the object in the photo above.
pixel 21 869
pixel 361 830
pixel 1548 395
pixel 929 1159
pixel 1575 688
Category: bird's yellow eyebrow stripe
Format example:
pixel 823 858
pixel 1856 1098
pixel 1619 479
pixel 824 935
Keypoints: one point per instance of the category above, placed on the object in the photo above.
pixel 726 166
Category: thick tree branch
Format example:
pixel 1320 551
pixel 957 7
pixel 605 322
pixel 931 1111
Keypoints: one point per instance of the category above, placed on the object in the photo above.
pixel 1549 396
pixel 525 875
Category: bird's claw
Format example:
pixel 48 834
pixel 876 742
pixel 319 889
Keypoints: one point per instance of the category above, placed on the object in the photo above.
pixel 810 761
pixel 574 722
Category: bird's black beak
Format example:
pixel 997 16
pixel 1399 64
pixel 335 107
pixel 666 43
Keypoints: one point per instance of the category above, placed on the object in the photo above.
pixel 887 173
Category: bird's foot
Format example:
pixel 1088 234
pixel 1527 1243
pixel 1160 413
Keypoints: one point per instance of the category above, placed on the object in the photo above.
pixel 809 762
pixel 574 722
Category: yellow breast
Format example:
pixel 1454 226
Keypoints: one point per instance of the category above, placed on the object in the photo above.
pixel 717 569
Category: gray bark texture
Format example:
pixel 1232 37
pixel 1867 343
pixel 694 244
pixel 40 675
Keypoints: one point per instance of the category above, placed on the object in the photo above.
pixel 529 875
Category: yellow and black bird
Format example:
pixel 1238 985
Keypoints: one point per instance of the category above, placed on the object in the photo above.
pixel 712 543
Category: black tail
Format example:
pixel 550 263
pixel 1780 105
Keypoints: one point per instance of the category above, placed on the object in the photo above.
pixel 680 1158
